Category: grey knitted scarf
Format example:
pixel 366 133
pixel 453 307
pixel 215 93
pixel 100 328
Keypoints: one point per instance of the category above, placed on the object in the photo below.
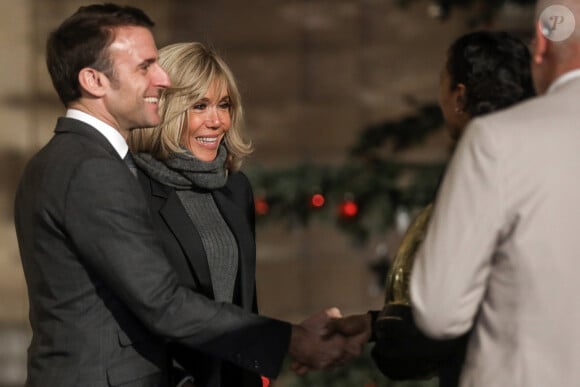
pixel 184 171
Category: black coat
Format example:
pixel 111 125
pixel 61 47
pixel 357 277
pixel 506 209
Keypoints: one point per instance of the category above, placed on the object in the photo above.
pixel 183 245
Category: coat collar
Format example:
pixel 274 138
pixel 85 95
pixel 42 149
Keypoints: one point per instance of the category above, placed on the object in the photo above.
pixel 177 220
pixel 564 79
pixel 244 234
pixel 70 125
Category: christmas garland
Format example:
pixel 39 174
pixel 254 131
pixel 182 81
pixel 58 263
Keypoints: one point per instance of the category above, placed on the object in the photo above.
pixel 362 196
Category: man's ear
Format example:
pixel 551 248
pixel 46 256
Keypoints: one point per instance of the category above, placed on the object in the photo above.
pixel 92 81
pixel 540 44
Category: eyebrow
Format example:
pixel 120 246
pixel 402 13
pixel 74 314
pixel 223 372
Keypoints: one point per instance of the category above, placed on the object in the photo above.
pixel 147 62
pixel 205 99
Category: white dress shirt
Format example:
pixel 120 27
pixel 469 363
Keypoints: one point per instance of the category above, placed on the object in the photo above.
pixel 111 134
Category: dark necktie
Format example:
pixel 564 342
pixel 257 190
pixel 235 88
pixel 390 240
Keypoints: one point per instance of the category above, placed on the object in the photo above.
pixel 130 163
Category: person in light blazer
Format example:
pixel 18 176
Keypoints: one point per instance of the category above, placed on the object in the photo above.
pixel 104 298
pixel 501 254
pixel 484 72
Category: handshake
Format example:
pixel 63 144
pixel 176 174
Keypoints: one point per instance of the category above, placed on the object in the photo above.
pixel 327 340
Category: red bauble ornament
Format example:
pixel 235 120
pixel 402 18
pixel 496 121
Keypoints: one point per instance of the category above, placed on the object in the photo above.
pixel 262 206
pixel 317 200
pixel 348 209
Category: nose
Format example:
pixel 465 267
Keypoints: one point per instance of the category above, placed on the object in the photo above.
pixel 161 79
pixel 213 118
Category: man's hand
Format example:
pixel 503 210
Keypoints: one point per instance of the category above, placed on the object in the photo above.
pixel 318 322
pixel 348 334
pixel 312 348
pixel 356 328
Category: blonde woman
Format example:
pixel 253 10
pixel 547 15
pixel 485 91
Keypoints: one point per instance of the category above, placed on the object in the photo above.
pixel 202 205
pixel 203 210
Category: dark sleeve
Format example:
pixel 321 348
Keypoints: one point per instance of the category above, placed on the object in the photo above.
pixel 402 352
pixel 111 228
pixel 374 315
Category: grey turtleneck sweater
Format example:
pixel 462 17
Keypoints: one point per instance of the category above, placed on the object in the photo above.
pixel 193 181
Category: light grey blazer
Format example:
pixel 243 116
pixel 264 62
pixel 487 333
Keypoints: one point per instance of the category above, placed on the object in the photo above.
pixel 502 251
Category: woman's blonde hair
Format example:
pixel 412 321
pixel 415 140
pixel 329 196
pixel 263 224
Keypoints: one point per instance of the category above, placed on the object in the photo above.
pixel 192 69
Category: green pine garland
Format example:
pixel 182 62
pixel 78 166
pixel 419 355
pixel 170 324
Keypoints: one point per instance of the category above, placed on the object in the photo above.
pixel 378 184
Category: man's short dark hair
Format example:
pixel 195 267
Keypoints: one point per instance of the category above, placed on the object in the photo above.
pixel 82 41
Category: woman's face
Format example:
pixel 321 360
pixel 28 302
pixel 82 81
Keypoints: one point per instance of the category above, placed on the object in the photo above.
pixel 451 101
pixel 207 122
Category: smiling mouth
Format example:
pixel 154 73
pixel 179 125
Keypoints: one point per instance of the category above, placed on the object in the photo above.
pixel 153 100
pixel 207 140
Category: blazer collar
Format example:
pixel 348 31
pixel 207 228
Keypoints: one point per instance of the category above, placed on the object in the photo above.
pixel 244 234
pixel 178 221
pixel 569 78
pixel 70 125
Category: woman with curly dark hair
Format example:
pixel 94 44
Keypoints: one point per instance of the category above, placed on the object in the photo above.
pixel 485 71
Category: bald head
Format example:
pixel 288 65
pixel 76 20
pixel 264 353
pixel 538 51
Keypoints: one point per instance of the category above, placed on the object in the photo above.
pixel 556 47
pixel 559 19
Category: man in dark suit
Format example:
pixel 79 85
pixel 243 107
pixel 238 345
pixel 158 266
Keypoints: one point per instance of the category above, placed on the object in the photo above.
pixel 103 298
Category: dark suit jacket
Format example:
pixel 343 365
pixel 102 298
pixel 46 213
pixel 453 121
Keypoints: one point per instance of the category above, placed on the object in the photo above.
pixel 184 248
pixel 103 296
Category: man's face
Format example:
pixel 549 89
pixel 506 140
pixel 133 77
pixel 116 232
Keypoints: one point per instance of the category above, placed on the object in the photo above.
pixel 133 92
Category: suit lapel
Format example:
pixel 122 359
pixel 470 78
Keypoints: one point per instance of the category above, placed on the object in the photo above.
pixel 237 220
pixel 70 125
pixel 176 218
